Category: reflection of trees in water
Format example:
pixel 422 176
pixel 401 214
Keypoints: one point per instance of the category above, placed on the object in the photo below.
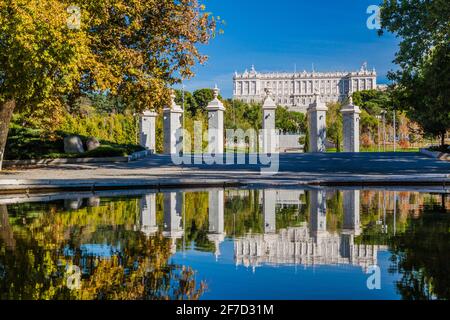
pixel 196 215
pixel 6 233
pixel 290 216
pixel 48 239
pixel 422 254
pixel 243 213
pixel 335 211
pixel 38 240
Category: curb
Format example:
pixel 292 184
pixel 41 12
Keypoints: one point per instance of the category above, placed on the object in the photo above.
pixel 8 186
pixel 37 186
pixel 139 155
pixel 48 162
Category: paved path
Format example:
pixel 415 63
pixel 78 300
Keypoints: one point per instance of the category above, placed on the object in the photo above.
pixel 158 170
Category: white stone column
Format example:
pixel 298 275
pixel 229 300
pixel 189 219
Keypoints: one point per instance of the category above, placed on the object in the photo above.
pixel 317 212
pixel 173 205
pixel 147 130
pixel 317 125
pixel 269 202
pixel 215 125
pixel 216 231
pixel 148 214
pixel 93 202
pixel 351 212
pixel 173 120
pixel 350 115
pixel 269 134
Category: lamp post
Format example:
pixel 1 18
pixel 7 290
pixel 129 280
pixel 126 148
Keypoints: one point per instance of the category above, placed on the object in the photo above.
pixel 136 116
pixel 184 115
pixel 182 98
pixel 395 133
pixel 383 114
pixel 378 135
pixel 394 114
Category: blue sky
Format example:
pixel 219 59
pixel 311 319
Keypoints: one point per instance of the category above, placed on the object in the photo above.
pixel 225 280
pixel 277 35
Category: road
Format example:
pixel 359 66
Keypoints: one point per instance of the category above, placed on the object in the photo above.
pixel 356 168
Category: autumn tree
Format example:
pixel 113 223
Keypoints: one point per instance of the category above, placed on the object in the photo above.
pixel 128 49
pixel 39 58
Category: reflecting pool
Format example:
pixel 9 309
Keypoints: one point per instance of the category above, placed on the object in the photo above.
pixel 316 243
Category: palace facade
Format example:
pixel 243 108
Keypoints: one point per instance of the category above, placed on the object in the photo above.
pixel 296 90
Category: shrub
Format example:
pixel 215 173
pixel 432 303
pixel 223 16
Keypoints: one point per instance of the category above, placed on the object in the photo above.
pixel 114 128
pixel 27 143
pixel 444 148
pixel 105 151
pixel 404 143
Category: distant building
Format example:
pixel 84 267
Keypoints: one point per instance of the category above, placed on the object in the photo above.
pixel 298 246
pixel 296 90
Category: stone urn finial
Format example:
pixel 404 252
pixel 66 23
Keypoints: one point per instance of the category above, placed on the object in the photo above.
pixel 172 97
pixel 316 96
pixel 216 92
pixel 350 100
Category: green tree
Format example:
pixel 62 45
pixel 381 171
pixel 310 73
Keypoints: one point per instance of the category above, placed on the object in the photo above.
pixel 242 115
pixel 203 97
pixel 373 101
pixel 423 78
pixel 253 115
pixel 289 121
pixel 190 104
pixel 334 124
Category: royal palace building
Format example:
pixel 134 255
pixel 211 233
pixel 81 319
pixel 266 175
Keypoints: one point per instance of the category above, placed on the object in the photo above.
pixel 296 90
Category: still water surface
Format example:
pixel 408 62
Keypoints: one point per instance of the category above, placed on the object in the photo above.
pixel 228 244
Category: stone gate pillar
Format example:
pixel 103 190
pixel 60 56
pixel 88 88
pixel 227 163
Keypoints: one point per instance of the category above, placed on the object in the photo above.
pixel 148 214
pixel 317 212
pixel 215 125
pixel 351 212
pixel 173 205
pixel 216 231
pixel 317 125
pixel 269 134
pixel 173 119
pixel 147 130
pixel 269 204
pixel 350 115
pixel 351 226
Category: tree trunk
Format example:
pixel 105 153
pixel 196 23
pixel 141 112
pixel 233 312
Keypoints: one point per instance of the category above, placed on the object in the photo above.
pixel 443 140
pixel 6 112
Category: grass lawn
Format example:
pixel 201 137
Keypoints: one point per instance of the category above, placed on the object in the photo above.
pixel 375 149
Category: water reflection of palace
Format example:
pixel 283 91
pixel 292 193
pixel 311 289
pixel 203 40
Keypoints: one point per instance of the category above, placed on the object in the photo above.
pixel 310 243
pixel 307 244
